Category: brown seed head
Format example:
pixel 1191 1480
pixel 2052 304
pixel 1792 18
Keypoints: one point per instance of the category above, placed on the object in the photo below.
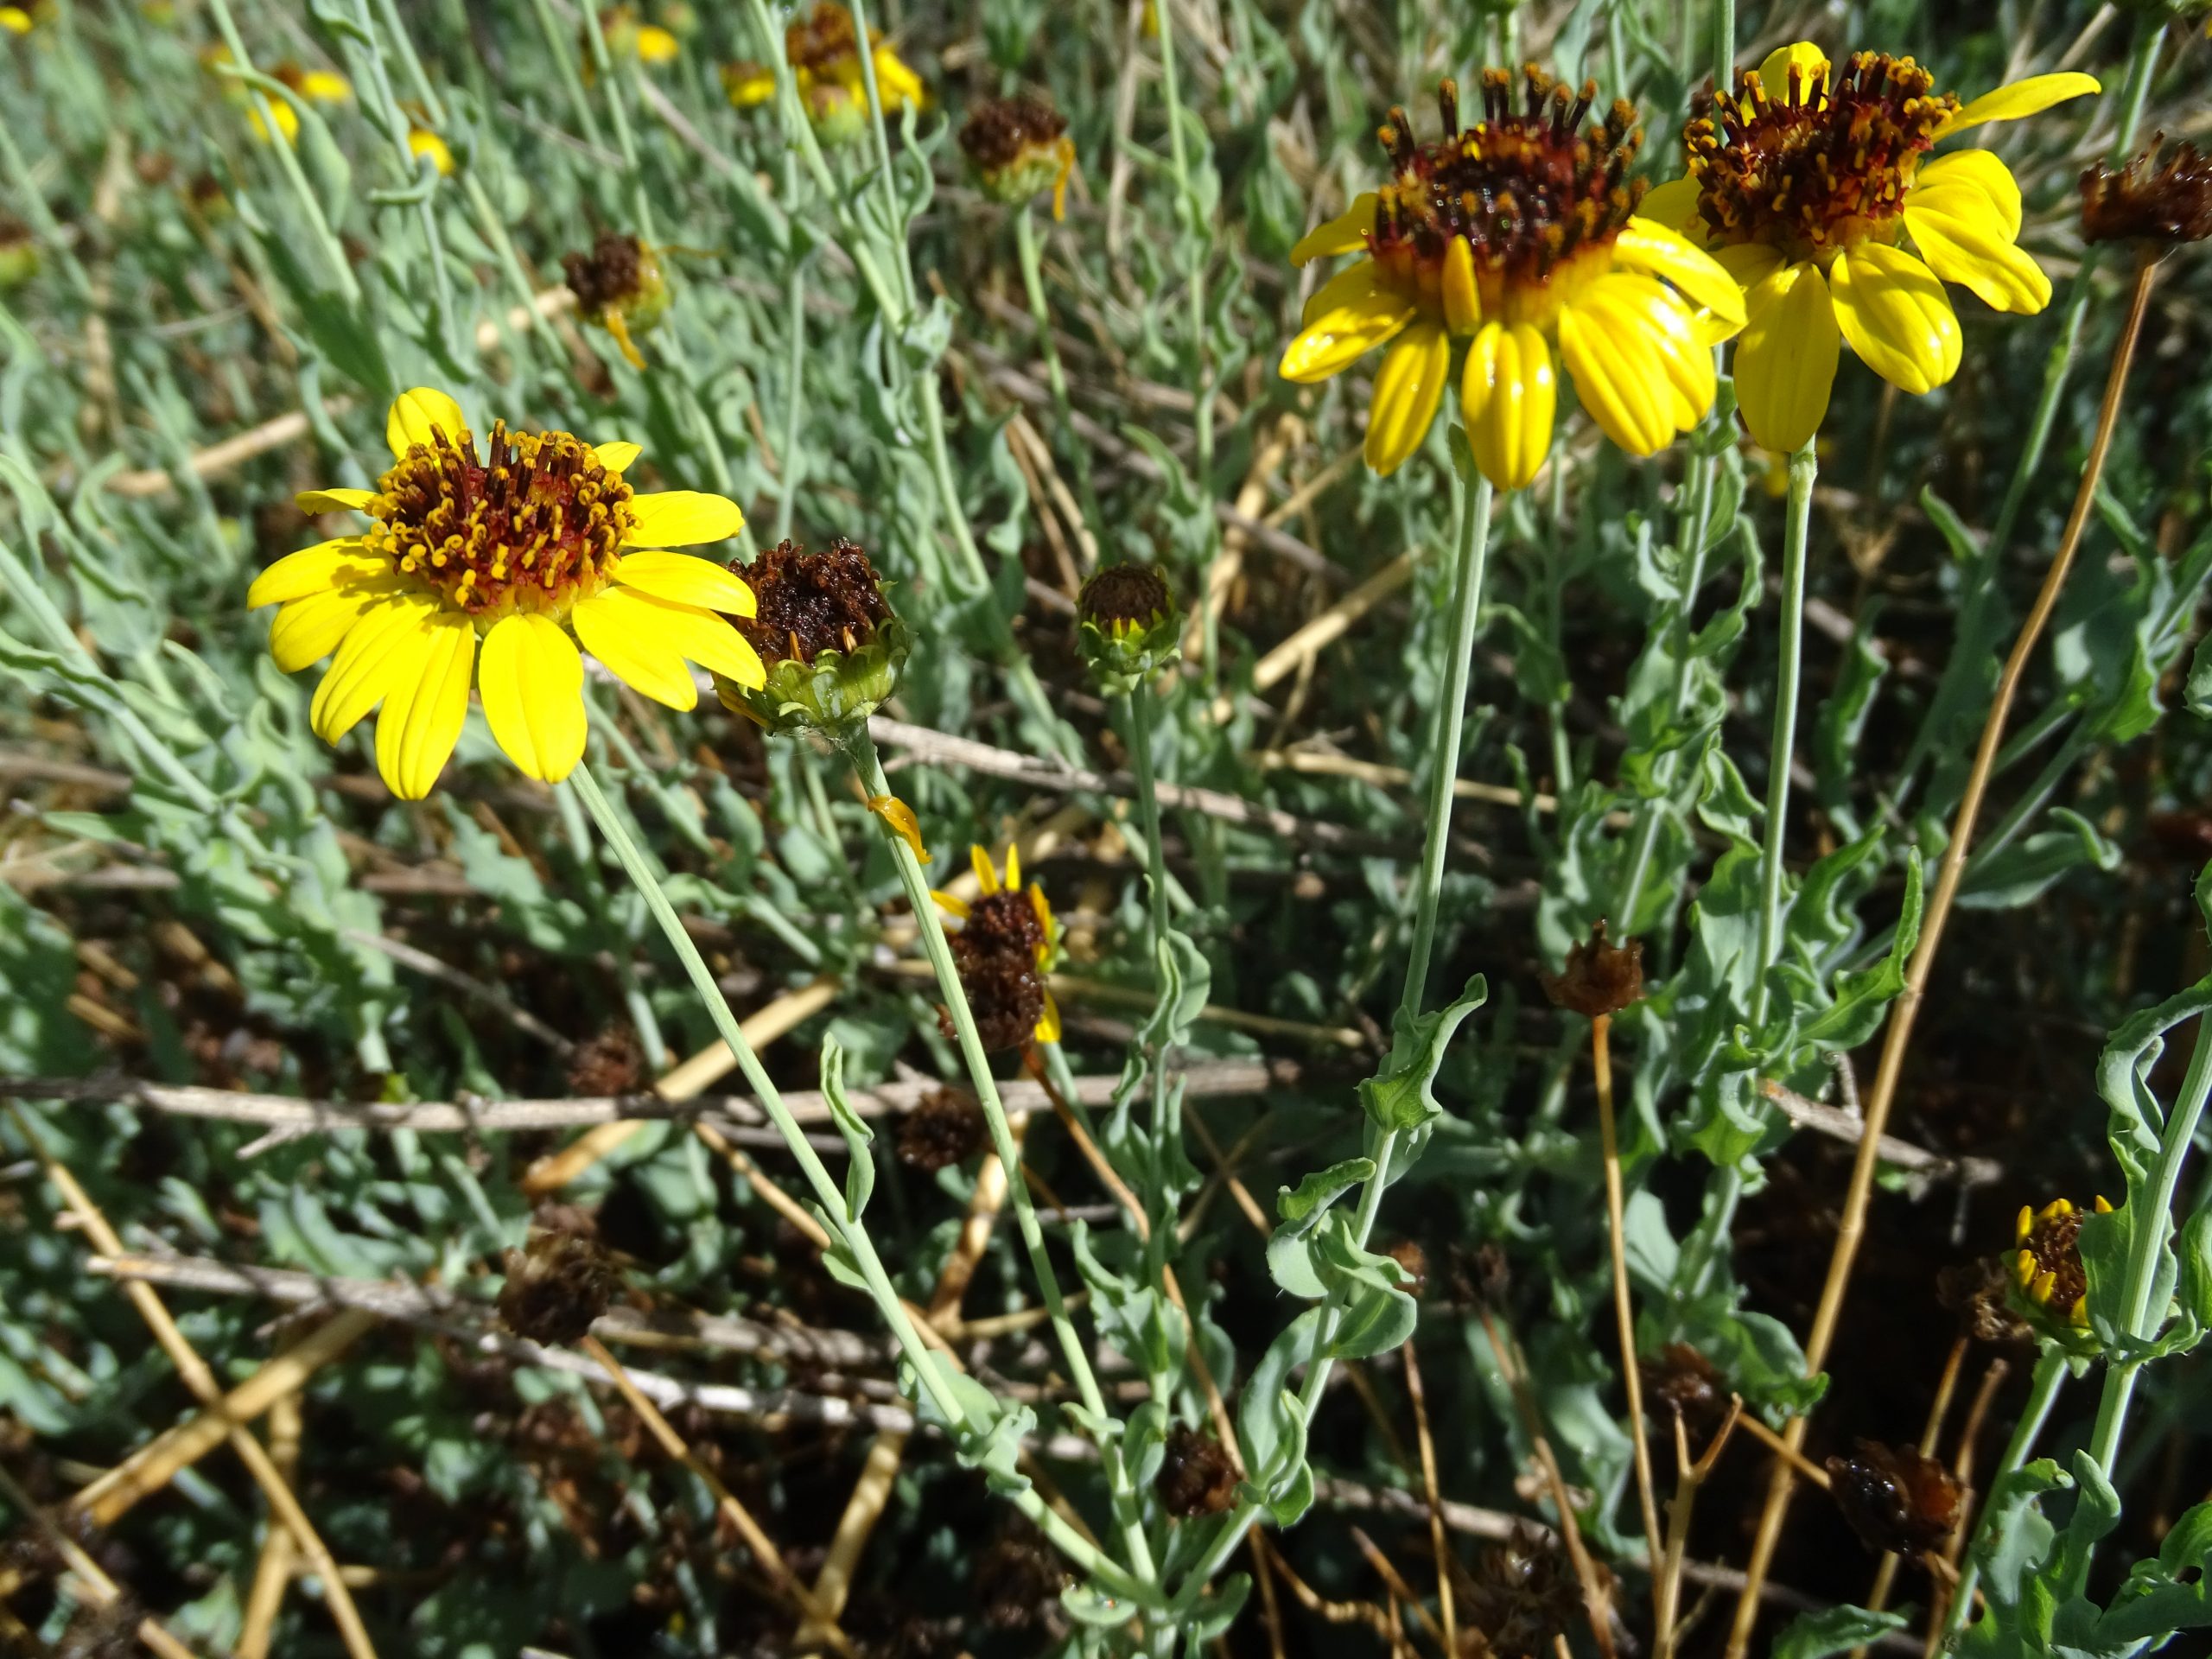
pixel 1005 990
pixel 1896 1500
pixel 1018 1579
pixel 1123 598
pixel 2047 1261
pixel 1197 1478
pixel 610 1064
pixel 555 1287
pixel 944 1128
pixel 1600 978
pixel 2162 205
pixel 1004 921
pixel 1000 131
pixel 807 603
pixel 1977 1289
pixel 612 274
pixel 1524 1595
pixel 1680 1382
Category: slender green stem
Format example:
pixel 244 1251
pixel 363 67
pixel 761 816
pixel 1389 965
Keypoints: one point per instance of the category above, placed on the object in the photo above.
pixel 870 766
pixel 1138 706
pixel 1451 719
pixel 1724 44
pixel 2142 64
pixel 375 85
pixel 1032 279
pixel 564 65
pixel 625 140
pixel 653 1044
pixel 1186 214
pixel 1789 670
pixel 2138 1318
pixel 288 159
pixel 2042 1393
pixel 794 395
pixel 828 1196
pixel 886 183
pixel 1475 499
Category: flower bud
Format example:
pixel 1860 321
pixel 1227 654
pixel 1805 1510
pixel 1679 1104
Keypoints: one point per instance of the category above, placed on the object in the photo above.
pixel 1127 627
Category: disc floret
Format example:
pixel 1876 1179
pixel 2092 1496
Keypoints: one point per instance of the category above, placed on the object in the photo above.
pixel 533 524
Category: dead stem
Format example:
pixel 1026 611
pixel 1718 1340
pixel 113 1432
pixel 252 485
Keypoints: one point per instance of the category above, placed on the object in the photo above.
pixel 1601 1064
pixel 1906 1009
pixel 1438 1544
pixel 1689 1477
pixel 1878 1596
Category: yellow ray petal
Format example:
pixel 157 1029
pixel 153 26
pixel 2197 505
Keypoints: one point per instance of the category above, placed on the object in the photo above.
pixel 1658 252
pixel 387 644
pixel 1013 867
pixel 616 456
pixel 1346 233
pixel 1896 315
pixel 685 579
pixel 1509 392
pixel 2028 97
pixel 1347 286
pixel 987 873
pixel 900 819
pixel 310 570
pixel 423 710
pixel 1976 169
pixel 312 502
pixel 1463 301
pixel 1785 358
pixel 1962 235
pixel 1809 61
pixel 417 413
pixel 1048 1022
pixel 310 628
pixel 1673 205
pixel 532 682
pixel 1408 387
pixel 950 904
pixel 682 519
pixel 1617 374
pixel 1371 313
pixel 627 639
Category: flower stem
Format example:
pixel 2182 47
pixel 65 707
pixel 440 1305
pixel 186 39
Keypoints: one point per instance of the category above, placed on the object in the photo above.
pixel 1905 1010
pixel 830 1197
pixel 2042 1393
pixel 1138 707
pixel 1804 466
pixel 1724 44
pixel 794 392
pixel 1032 279
pixel 1476 500
pixel 1127 1509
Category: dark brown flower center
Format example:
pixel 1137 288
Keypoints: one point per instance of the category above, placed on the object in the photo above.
pixel 2051 1244
pixel 1002 132
pixel 1123 597
pixel 1815 166
pixel 612 274
pixel 1527 192
pixel 2168 204
pixel 807 603
pixel 534 525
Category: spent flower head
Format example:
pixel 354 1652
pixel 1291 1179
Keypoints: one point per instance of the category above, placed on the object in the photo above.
pixel 1517 235
pixel 1804 180
pixel 1006 947
pixel 1600 978
pixel 2159 202
pixel 824 50
pixel 1897 1500
pixel 501 560
pixel 2049 1281
pixel 618 285
pixel 555 1287
pixel 831 646
pixel 1017 146
pixel 1127 627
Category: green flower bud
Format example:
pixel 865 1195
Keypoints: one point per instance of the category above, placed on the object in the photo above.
pixel 1127 626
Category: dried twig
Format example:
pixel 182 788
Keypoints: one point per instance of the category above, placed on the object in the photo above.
pixel 1601 1062
pixel 1688 1477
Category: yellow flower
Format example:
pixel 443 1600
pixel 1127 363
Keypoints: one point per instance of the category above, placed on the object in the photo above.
pixel 1516 236
pixel 824 53
pixel 1802 185
pixel 535 539
pixel 420 141
pixel 627 36
pixel 15 20
pixel 2046 1262
pixel 1006 922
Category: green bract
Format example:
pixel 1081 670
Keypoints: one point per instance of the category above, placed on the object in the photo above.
pixel 834 694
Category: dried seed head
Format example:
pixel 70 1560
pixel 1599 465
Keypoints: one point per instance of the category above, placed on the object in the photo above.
pixel 1017 146
pixel 1018 1579
pixel 610 1063
pixel 1680 1382
pixel 944 1128
pixel 1600 978
pixel 1005 990
pixel 830 642
pixel 1123 598
pixel 619 271
pixel 555 1287
pixel 1197 1478
pixel 1524 1595
pixel 1980 1290
pixel 2162 205
pixel 1896 1500
pixel 1409 1256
